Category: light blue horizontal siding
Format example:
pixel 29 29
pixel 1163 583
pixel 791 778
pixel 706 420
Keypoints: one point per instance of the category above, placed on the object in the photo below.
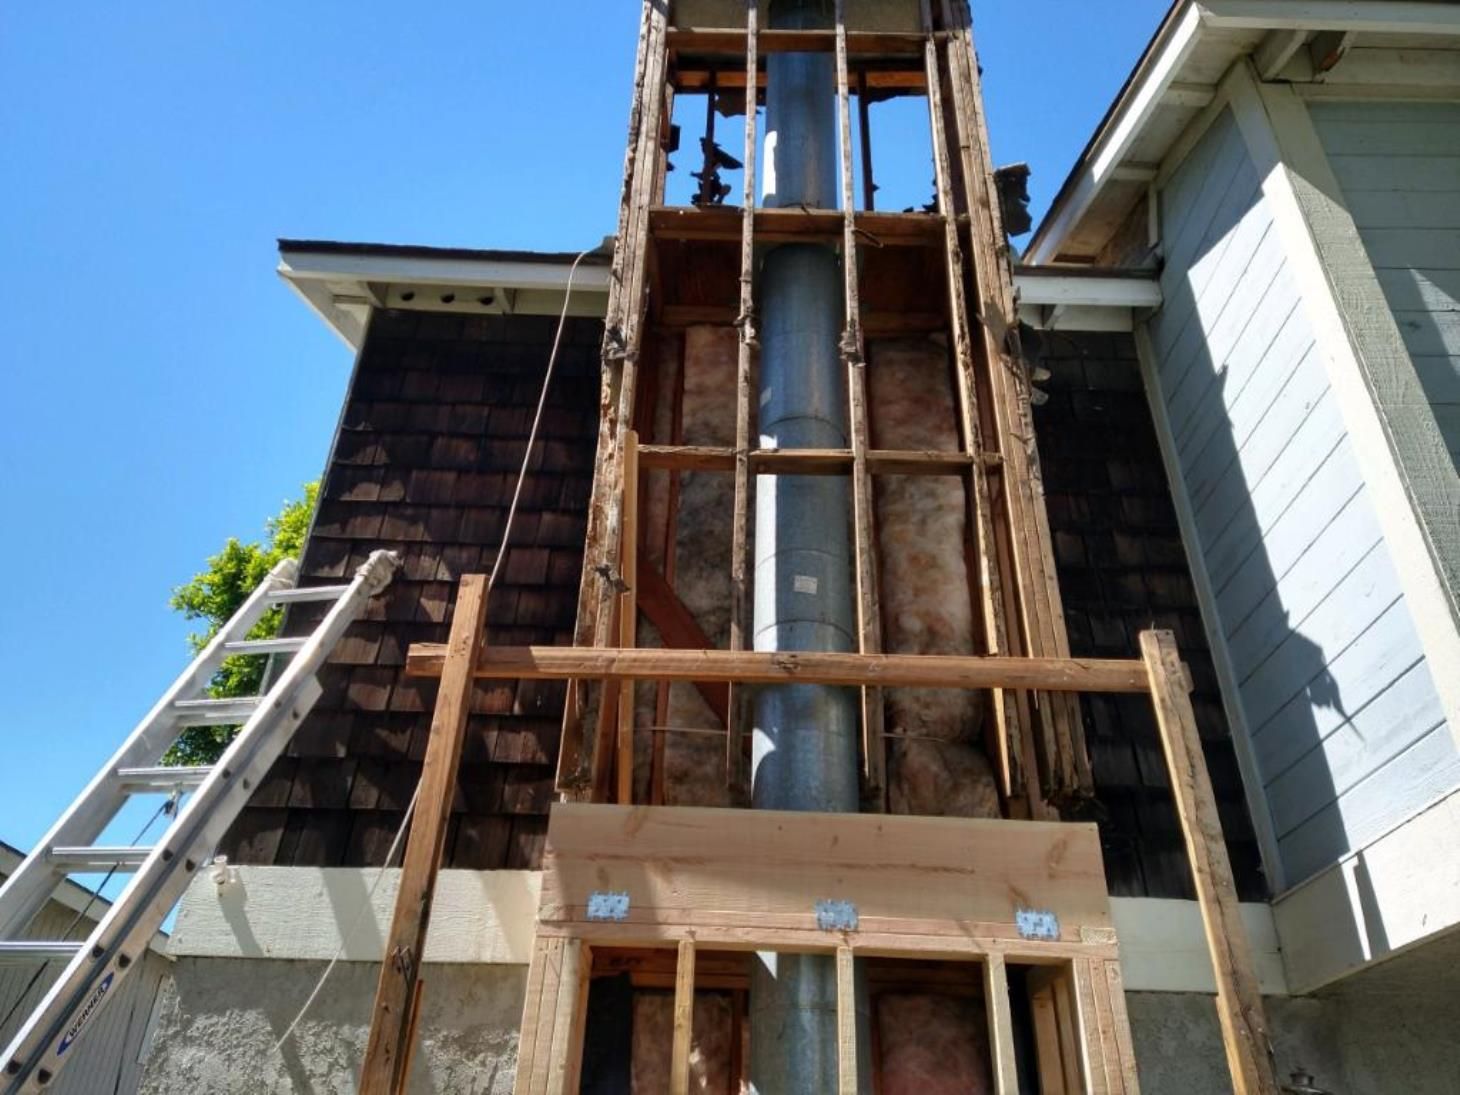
pixel 1399 167
pixel 1334 685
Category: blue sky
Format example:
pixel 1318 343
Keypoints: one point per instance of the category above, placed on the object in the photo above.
pixel 163 390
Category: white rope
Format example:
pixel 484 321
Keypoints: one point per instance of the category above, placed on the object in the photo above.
pixel 369 903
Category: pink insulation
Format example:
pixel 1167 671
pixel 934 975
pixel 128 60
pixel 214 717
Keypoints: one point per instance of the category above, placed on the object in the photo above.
pixel 694 763
pixel 931 1045
pixel 711 1056
pixel 927 603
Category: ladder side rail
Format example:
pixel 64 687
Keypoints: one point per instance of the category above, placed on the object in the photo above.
pixel 128 926
pixel 25 893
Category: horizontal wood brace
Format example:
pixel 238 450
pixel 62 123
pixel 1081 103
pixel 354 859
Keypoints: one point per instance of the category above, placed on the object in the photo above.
pixel 874 324
pixel 725 222
pixel 730 42
pixel 886 78
pixel 803 461
pixel 756 667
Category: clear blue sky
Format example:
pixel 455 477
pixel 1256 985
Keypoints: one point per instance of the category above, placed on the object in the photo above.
pixel 163 390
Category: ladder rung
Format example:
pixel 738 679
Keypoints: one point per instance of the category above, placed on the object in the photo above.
pixel 307 593
pixel 265 646
pixel 162 779
pixel 100 857
pixel 13 952
pixel 215 712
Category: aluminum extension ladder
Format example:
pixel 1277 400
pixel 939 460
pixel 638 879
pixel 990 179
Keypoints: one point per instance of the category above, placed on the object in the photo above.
pixel 96 966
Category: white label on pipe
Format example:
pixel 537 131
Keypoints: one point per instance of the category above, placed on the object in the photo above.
pixel 804 583
pixel 765 397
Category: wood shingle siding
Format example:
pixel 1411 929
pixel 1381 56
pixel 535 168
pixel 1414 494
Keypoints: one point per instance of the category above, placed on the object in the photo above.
pixel 1346 728
pixel 1399 167
pixel 427 453
pixel 1122 569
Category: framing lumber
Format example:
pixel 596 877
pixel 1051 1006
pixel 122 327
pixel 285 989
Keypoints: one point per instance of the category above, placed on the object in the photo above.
pixel 1010 714
pixel 846 1023
pixel 736 709
pixel 805 461
pixel 628 612
pixel 1001 1025
pixel 885 77
pixel 679 629
pixel 782 667
pixel 1067 771
pixel 384 1071
pixel 675 222
pixel 716 41
pixel 622 341
pixel 1239 999
pixel 854 357
pixel 684 1017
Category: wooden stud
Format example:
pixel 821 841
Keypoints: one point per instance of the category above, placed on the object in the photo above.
pixel 680 631
pixel 623 337
pixel 1044 1013
pixel 854 351
pixel 1066 762
pixel 802 667
pixel 1069 1029
pixel 846 1021
pixel 744 362
pixel 628 613
pixel 1001 1026
pixel 1010 716
pixel 1239 999
pixel 806 461
pixel 383 1071
pixel 565 1060
pixel 684 1018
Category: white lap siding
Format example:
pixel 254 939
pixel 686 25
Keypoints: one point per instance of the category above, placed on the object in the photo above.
pixel 1347 731
pixel 1399 167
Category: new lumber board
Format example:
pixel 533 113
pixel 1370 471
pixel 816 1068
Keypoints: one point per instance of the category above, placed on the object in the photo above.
pixel 760 667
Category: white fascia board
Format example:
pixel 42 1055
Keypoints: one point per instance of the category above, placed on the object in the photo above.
pixel 1163 947
pixel 1400 891
pixel 1086 290
pixel 1362 16
pixel 1125 127
pixel 316 913
pixel 414 270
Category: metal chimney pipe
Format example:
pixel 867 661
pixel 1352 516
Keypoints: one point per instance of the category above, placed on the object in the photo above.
pixel 804 744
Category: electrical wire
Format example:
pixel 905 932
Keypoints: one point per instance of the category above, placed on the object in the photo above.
pixel 168 807
pixel 368 905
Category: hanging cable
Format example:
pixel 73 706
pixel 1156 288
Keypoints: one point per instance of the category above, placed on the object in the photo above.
pixel 368 905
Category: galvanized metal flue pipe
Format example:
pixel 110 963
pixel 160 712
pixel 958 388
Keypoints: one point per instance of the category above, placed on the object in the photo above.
pixel 804 743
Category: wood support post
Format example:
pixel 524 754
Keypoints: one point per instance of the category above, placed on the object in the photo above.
pixel 387 1052
pixel 684 1018
pixel 550 1046
pixel 744 363
pixel 1239 999
pixel 854 351
pixel 628 612
pixel 846 1022
pixel 1065 766
pixel 1001 1025
pixel 622 342
pixel 1011 716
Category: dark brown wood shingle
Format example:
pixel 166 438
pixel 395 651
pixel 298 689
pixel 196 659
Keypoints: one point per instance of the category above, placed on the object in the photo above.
pixel 434 429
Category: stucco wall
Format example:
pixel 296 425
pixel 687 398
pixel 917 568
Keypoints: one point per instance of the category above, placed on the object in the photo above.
pixel 220 1019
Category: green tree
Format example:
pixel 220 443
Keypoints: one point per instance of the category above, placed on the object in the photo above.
pixel 215 594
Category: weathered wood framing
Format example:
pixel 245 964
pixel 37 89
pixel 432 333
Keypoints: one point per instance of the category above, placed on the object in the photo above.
pixel 1239 998
pixel 623 338
pixel 628 612
pixel 996 600
pixel 854 356
pixel 397 1000
pixel 744 367
pixel 1065 768
pixel 803 667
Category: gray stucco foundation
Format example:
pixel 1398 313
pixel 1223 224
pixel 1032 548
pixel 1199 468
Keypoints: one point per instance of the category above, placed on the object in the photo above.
pixel 220 1017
